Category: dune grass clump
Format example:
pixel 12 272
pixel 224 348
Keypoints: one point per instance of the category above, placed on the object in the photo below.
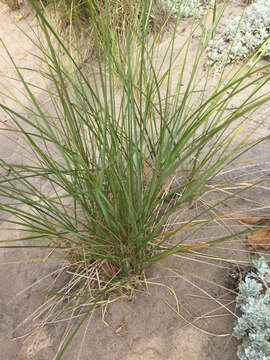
pixel 96 178
pixel 86 18
pixel 80 13
pixel 12 4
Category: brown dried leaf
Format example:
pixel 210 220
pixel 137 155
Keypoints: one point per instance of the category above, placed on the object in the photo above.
pixel 260 239
pixel 254 220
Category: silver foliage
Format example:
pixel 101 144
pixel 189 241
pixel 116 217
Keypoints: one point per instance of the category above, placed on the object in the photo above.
pixel 243 36
pixel 253 327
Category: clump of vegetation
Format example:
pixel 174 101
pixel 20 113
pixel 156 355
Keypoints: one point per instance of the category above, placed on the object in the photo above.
pixel 120 14
pixel 87 17
pixel 243 36
pixel 96 182
pixel 12 4
pixel 187 8
pixel 253 327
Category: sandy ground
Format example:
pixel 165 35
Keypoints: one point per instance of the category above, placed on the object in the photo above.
pixel 185 313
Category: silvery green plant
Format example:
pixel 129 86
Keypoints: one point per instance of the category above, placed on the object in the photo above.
pixel 187 8
pixel 253 327
pixel 243 36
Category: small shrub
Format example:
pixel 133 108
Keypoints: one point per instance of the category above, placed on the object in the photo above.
pixel 253 327
pixel 243 36
pixel 187 8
